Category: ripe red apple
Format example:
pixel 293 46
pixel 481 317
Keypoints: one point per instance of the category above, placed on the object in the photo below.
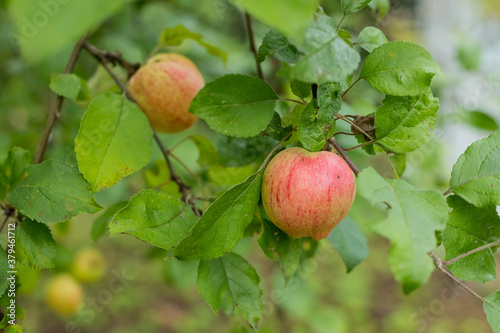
pixel 164 88
pixel 63 294
pixel 89 265
pixel 306 194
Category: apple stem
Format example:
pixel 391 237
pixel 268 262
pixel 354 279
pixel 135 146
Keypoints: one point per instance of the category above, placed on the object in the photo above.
pixel 55 111
pixel 248 23
pixel 342 153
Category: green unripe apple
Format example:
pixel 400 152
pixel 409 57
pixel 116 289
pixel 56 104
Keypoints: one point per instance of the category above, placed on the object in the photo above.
pixel 164 88
pixel 306 194
pixel 89 265
pixel 64 294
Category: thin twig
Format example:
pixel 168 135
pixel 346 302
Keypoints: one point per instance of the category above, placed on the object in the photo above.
pixel 2 206
pixel 114 58
pixel 361 145
pixel 181 141
pixel 484 247
pixel 441 266
pixel 448 192
pixel 341 21
pixel 248 23
pixel 8 214
pixel 55 111
pixel 183 188
pixel 350 87
pixel 346 158
pixel 349 121
pixel 194 175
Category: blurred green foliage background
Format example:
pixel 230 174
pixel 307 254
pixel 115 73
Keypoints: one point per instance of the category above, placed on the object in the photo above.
pixel 161 296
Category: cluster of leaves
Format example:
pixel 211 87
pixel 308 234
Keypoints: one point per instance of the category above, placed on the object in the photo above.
pixel 320 60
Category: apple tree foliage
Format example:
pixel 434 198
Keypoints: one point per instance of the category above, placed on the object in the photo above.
pixel 322 62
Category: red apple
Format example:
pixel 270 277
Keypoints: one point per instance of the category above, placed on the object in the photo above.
pixel 63 294
pixel 164 88
pixel 306 194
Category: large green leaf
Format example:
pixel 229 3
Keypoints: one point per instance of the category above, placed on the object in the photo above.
pixel 468 228
pixel 35 246
pixel 352 6
pixel 399 69
pixel 273 13
pixel 403 124
pixel 175 36
pixel 236 105
pixel 413 217
pixel 277 46
pixel 222 226
pixel 349 241
pixel 276 243
pixel 327 57
pixel 317 125
pixel 230 282
pixel 156 218
pixel 479 119
pixel 12 167
pixel 52 192
pixel 370 38
pixel 38 22
pixel 476 174
pixel 114 141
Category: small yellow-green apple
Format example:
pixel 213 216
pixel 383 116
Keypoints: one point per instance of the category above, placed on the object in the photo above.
pixel 89 265
pixel 306 194
pixel 64 294
pixel 164 88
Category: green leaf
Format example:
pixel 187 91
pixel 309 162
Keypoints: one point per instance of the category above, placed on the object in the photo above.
pixel 476 174
pixel 352 6
pixel 370 38
pixel 158 176
pixel 272 13
pixel 300 89
pixel 101 223
pixel 207 153
pixel 66 85
pixel 380 6
pixel 317 126
pixel 12 168
pixel 236 105
pixel 35 246
pixel 156 218
pixel 230 282
pixel 350 243
pixel 327 57
pixel 403 124
pixel 38 22
pixel 398 163
pixel 4 268
pixel 479 120
pixel 469 54
pixel 277 46
pixel 222 226
pixel 114 141
pixel 275 129
pixel 276 243
pixel 226 177
pixel 52 192
pixel 399 69
pixel 175 36
pixel 468 228
pixel 491 307
pixel 413 217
